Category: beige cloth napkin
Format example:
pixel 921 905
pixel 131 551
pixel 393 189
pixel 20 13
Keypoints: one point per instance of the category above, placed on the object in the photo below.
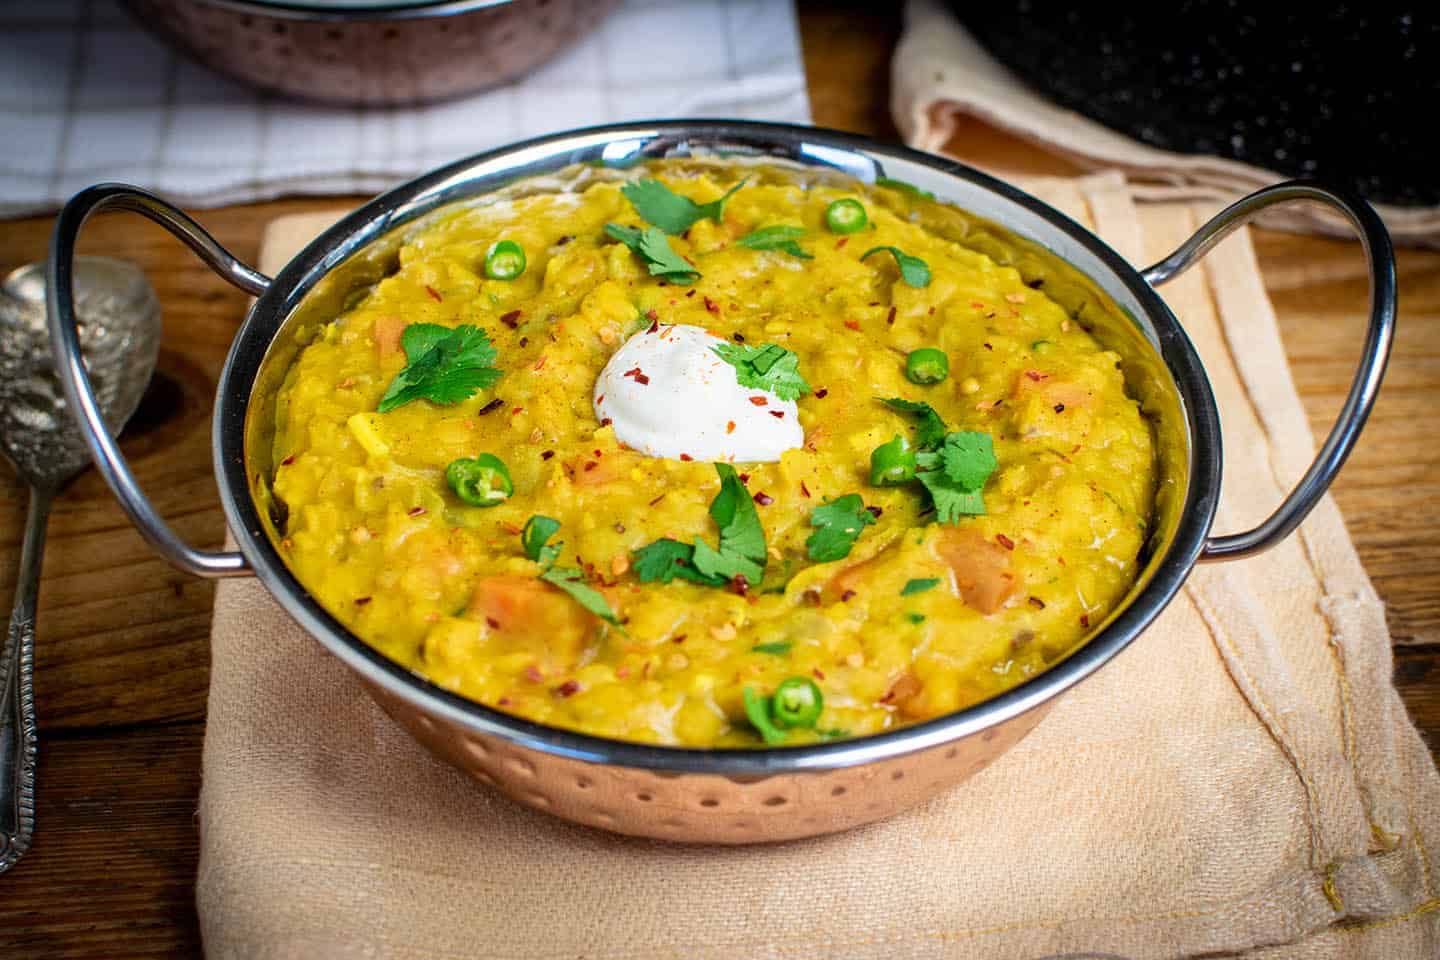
pixel 940 73
pixel 1242 780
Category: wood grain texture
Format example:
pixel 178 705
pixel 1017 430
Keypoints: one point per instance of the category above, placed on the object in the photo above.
pixel 123 653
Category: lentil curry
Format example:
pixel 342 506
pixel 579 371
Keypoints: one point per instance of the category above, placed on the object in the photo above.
pixel 908 559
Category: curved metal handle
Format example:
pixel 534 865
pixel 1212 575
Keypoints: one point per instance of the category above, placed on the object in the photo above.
pixel 1380 256
pixel 70 366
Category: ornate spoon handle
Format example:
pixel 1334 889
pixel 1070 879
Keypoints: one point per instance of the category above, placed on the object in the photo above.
pixel 17 695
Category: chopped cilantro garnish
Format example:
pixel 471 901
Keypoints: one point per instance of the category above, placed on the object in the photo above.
pixel 919 585
pixel 915 617
pixel 444 366
pixel 533 537
pixel 742 543
pixel 765 366
pixel 904 187
pixel 780 238
pixel 913 270
pixel 929 426
pixel 659 205
pixel 837 525
pixel 654 248
pixel 956 473
pixel 666 559
pixel 779 648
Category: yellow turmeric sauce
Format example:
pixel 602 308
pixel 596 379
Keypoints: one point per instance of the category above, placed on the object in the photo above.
pixel 377 535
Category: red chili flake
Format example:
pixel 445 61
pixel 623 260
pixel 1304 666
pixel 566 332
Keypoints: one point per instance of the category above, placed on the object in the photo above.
pixel 932 312
pixel 540 364
pixel 711 305
pixel 763 498
pixel 533 674
pixel 516 411
pixel 890 317
pixel 1060 560
pixel 690 292
pixel 730 426
pixel 840 244
pixel 778 414
pixel 657 500
pixel 361 601
pixel 511 319
pixel 606 421
pixel 1035 375
pixel 738 337
pixel 822 393
pixel 651 315
pixel 631 372
pixel 547 454
pixel 1085 620
pixel 503 702
pixel 740 584
pixel 622 672
pixel 641 379
pixel 1037 603
pixel 679 638
pixel 874 512
pixel 977 304
pixel 744 478
pixel 686 457
pixel 654 327
pixel 590 465
pixel 568 689
pixel 1004 541
pixel 804 489
pixel 434 294
pixel 819 674
pixel 493 623
pixel 845 597
pixel 987 346
pixel 599 454
pixel 1059 408
pixel 524 341
pixel 416 511
pixel 564 240
pixel 491 407
pixel 759 401
pixel 288 460
pixel 811 597
pixel 853 324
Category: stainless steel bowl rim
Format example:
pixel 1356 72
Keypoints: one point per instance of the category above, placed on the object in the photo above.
pixel 354 11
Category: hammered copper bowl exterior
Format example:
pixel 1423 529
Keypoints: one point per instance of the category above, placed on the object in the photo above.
pixel 701 807
pixel 391 60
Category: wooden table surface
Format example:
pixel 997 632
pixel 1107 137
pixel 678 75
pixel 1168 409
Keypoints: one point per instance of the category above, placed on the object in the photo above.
pixel 123 659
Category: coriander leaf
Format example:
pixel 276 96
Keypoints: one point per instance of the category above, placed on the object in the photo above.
pixel 666 559
pixel 734 513
pixel 837 525
pixel 929 427
pixel 572 581
pixel 951 500
pixel 913 270
pixel 757 710
pixel 904 187
pixel 968 459
pixel 765 367
pixel 919 585
pixel 444 366
pixel 723 566
pixel 915 617
pixel 780 238
pixel 654 248
pixel 659 205
pixel 779 648
pixel 533 536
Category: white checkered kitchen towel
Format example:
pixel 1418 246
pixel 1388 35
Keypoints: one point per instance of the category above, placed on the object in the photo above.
pixel 86 95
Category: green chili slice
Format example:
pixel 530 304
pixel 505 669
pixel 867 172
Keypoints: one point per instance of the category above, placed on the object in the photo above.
pixel 927 365
pixel 505 260
pixel 846 216
pixel 797 703
pixel 482 481
pixel 892 464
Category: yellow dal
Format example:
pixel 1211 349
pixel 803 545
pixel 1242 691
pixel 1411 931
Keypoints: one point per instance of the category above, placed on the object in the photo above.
pixel 445 589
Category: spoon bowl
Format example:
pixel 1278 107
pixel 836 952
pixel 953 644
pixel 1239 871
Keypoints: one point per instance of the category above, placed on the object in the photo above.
pixel 119 330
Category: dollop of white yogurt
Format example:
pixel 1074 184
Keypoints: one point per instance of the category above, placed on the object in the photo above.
pixel 668 394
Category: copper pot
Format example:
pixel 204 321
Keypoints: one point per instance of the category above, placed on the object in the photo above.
pixel 378 53
pixel 729 795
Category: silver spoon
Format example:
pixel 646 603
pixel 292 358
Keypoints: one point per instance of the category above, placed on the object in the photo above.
pixel 119 326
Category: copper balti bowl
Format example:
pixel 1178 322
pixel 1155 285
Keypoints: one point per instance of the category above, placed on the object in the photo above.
pixel 371 51
pixel 729 795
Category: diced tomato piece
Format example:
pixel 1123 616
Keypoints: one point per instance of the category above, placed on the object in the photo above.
pixel 984 578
